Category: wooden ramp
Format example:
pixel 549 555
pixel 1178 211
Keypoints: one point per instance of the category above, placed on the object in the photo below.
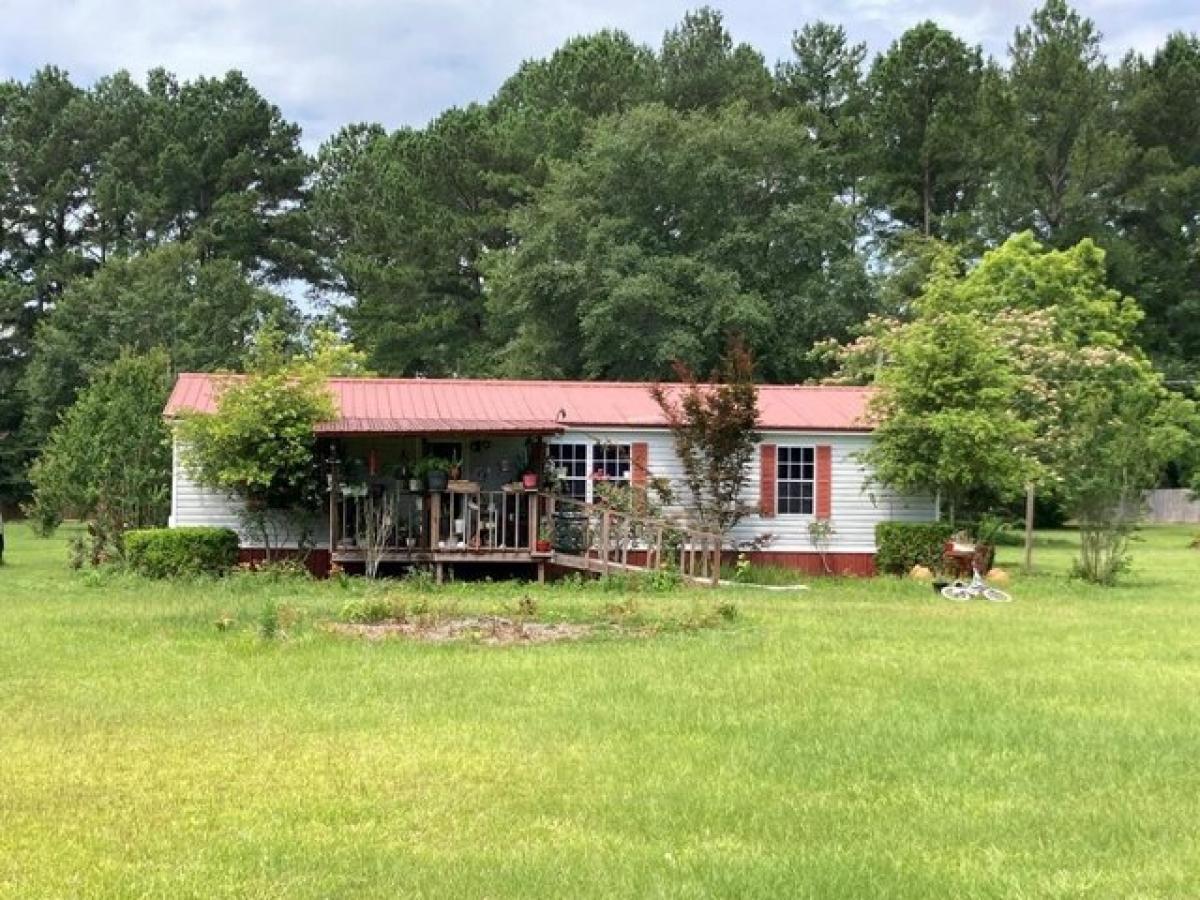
pixel 595 538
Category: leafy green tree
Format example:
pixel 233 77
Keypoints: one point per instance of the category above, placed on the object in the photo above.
pixel 45 145
pixel 201 313
pixel 1158 262
pixel 260 445
pixel 94 176
pixel 108 460
pixel 407 219
pixel 669 232
pixel 1070 400
pixel 946 423
pixel 702 68
pixel 1119 428
pixel 924 97
pixel 544 109
pixel 824 82
pixel 1060 153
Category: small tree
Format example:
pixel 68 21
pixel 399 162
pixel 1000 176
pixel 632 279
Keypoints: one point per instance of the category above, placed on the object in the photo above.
pixel 946 421
pixel 108 460
pixel 713 426
pixel 379 526
pixel 260 444
pixel 1119 430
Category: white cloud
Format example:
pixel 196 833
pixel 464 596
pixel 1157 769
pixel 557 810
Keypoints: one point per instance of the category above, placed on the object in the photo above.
pixel 401 62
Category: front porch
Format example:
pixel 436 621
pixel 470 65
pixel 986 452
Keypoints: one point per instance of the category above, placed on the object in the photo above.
pixel 388 506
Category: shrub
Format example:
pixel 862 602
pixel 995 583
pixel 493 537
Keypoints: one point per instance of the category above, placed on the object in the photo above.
pixel 181 552
pixel 370 610
pixel 902 545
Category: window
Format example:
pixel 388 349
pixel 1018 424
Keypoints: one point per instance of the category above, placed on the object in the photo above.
pixel 581 465
pixel 795 477
pixel 610 462
pixel 571 461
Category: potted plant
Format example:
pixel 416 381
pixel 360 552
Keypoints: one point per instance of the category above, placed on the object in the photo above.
pixel 543 544
pixel 529 475
pixel 437 472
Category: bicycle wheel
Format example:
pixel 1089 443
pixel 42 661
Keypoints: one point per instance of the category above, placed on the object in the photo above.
pixel 958 592
pixel 996 595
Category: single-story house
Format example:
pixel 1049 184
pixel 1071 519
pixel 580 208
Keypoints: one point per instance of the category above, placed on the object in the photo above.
pixel 584 434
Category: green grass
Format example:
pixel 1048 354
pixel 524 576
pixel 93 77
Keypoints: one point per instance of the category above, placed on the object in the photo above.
pixel 862 739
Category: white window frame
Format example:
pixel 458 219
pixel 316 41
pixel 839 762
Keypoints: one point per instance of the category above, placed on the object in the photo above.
pixel 606 460
pixel 807 458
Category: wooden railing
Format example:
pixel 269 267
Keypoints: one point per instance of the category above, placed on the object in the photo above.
pixel 610 540
pixel 593 536
pixel 443 520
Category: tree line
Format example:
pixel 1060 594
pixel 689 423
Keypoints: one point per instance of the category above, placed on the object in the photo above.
pixel 614 208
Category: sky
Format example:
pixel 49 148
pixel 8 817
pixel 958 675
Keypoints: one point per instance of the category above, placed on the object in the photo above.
pixel 327 63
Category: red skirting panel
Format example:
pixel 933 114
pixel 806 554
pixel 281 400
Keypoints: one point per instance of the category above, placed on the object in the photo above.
pixel 859 564
pixel 856 564
pixel 317 561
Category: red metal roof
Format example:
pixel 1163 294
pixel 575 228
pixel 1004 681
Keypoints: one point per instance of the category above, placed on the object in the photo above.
pixel 432 406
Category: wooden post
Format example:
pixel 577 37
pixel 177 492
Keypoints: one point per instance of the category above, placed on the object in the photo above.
pixel 541 567
pixel 716 570
pixel 435 519
pixel 1030 490
pixel 533 520
pixel 658 548
pixel 333 494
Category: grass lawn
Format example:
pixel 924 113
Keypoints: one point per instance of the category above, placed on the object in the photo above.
pixel 864 739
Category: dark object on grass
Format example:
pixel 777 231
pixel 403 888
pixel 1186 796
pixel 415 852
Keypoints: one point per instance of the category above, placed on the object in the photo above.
pixel 938 584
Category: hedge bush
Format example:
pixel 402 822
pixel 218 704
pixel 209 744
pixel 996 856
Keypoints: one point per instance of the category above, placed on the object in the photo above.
pixel 181 552
pixel 901 545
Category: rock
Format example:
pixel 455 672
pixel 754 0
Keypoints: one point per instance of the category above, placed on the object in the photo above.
pixel 998 576
pixel 920 573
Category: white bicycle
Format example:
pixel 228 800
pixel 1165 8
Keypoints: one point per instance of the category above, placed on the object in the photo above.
pixel 977 588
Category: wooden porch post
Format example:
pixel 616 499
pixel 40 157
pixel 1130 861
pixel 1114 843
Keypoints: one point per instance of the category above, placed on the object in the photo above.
pixel 533 519
pixel 333 502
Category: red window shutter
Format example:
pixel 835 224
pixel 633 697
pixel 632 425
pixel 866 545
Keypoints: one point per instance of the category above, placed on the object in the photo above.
pixel 766 482
pixel 639 460
pixel 824 481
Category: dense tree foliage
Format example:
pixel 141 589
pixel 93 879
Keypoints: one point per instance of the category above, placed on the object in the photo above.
pixel 1024 369
pixel 108 460
pixel 613 208
pixel 91 178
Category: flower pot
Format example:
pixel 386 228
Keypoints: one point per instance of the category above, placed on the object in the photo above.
pixel 542 546
pixel 415 485
pixel 529 481
pixel 438 481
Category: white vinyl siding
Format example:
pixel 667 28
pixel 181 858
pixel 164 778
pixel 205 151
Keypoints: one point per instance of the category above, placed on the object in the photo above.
pixel 855 507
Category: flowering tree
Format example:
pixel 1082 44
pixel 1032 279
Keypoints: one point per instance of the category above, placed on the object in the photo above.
pixel 1037 343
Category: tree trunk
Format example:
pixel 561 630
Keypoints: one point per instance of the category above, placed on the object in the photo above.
pixel 1029 498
